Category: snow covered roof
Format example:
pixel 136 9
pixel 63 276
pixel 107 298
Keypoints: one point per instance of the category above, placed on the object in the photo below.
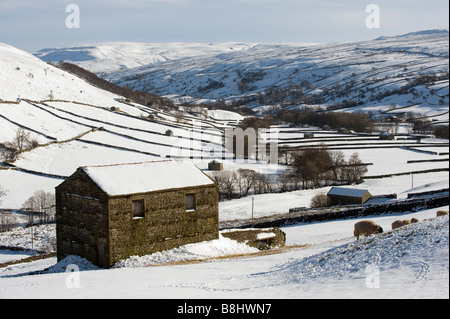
pixel 134 178
pixel 350 192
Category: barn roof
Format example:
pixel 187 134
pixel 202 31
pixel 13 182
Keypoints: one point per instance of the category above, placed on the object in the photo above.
pixel 135 178
pixel 348 192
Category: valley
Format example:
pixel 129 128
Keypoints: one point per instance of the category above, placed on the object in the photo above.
pixel 53 121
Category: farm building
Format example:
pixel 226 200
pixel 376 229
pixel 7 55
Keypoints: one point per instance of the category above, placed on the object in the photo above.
pixel 109 213
pixel 215 165
pixel 387 136
pixel 348 196
pixel 169 133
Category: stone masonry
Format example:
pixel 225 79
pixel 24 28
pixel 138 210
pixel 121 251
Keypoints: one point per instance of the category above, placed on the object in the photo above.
pixel 104 230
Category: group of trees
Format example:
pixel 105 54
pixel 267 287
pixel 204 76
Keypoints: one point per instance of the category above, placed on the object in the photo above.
pixel 40 209
pixel 309 168
pixel 248 78
pixel 144 98
pixel 21 141
pixel 317 165
pixel 441 131
pixel 241 183
pixel 7 220
pixel 359 122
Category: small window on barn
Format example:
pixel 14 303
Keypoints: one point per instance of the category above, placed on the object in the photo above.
pixel 138 208
pixel 191 202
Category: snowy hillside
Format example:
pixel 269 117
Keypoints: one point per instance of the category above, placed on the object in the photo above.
pixel 104 58
pixel 409 71
pixel 321 260
pixel 24 76
pixel 72 123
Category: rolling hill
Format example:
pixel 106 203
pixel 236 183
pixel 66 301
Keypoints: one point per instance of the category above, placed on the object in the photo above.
pixel 407 72
pixel 73 123
pixel 70 123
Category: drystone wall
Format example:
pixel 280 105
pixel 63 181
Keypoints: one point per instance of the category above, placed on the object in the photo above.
pixel 263 239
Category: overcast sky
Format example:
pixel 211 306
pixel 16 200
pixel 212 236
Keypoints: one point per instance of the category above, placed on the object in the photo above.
pixel 36 24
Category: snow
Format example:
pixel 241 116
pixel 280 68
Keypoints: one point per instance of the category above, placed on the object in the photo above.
pixel 381 65
pixel 400 259
pixel 109 56
pixel 280 203
pixel 11 255
pixel 352 192
pixel 211 249
pixel 321 260
pixel 125 179
pixel 265 236
pixel 43 238
pixel 25 76
pixel 20 186
pixel 225 115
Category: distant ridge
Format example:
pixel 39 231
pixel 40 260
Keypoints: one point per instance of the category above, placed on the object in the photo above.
pixel 408 72
pixel 417 33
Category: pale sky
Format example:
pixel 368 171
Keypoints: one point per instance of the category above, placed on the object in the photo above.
pixel 32 25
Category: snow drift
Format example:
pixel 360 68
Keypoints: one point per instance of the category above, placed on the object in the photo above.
pixel 415 247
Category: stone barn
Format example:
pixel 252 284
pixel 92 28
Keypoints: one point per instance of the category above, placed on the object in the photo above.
pixel 215 165
pixel 348 196
pixel 109 213
pixel 387 136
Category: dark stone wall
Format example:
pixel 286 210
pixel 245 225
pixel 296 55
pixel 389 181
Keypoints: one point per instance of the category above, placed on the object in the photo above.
pixel 263 239
pixel 81 219
pixel 103 230
pixel 166 224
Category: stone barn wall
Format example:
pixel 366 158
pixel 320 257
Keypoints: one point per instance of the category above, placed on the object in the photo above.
pixel 166 224
pixel 106 229
pixel 215 166
pixel 81 219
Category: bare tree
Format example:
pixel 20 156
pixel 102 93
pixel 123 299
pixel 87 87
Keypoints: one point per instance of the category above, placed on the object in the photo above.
pixel 21 140
pixel 7 221
pixel 42 203
pixel 226 181
pixel 337 161
pixel 320 200
pixel 2 193
pixel 284 182
pixel 262 183
pixel 355 170
pixel 246 180
pixel 311 164
pixel 229 183
pixel 6 153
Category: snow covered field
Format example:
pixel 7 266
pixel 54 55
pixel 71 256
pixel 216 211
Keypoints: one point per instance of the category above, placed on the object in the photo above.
pixel 321 260
pixel 412 262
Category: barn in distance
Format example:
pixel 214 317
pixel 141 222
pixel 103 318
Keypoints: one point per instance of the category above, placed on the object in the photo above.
pixel 348 196
pixel 109 213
